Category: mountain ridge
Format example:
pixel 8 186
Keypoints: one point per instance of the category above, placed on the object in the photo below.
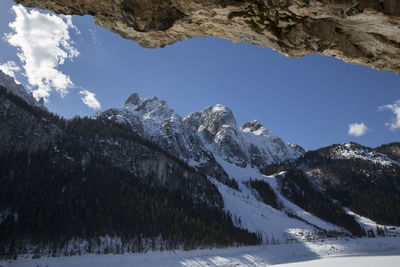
pixel 18 89
pixel 213 130
pixel 207 170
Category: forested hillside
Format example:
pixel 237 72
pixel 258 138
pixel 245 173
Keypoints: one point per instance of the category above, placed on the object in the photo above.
pixel 88 180
pixel 360 178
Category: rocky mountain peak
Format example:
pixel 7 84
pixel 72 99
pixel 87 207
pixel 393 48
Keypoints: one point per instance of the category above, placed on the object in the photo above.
pixel 152 119
pixel 255 127
pixel 251 126
pixel 212 131
pixel 251 143
pixel 213 119
pixel 224 113
pixel 147 105
pixel 133 99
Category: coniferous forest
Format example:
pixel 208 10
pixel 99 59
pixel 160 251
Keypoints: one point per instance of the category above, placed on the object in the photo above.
pixel 70 186
pixel 367 188
pixel 73 190
pixel 52 202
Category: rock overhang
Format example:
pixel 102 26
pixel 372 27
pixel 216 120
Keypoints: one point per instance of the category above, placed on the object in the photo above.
pixel 365 32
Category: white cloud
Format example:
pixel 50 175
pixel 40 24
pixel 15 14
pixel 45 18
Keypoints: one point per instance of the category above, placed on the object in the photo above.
pixel 89 99
pixel 357 129
pixel 43 43
pixel 395 108
pixel 9 68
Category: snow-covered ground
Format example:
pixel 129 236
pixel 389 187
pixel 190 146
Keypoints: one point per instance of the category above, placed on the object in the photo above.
pixel 351 150
pixel 265 255
pixel 365 261
pixel 275 226
pixel 369 224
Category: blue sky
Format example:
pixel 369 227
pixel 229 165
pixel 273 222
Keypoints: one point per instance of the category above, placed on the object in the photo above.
pixel 309 101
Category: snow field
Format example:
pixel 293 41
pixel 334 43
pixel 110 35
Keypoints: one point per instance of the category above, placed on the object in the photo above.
pixel 324 253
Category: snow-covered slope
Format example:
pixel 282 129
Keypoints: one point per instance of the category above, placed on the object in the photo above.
pixel 370 225
pixel 154 120
pixel 356 151
pixel 251 143
pixel 274 225
pixel 202 136
pixel 212 131
pixel 17 89
pixel 212 141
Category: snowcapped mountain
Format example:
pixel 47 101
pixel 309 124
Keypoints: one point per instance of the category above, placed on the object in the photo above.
pixel 17 89
pixel 203 136
pixel 232 157
pixel 251 143
pixel 353 150
pixel 357 151
pixel 152 119
pixel 270 189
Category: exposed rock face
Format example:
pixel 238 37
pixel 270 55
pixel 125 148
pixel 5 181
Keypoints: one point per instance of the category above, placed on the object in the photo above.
pixel 251 143
pixel 202 137
pixel 152 119
pixel 24 129
pixel 358 31
pixel 393 150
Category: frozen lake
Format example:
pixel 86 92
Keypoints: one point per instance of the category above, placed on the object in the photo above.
pixel 244 260
pixel 375 252
pixel 364 261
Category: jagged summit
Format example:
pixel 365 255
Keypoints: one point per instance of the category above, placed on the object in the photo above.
pixel 135 103
pixel 17 89
pixel 313 196
pixel 257 128
pixel 205 135
pixel 212 119
pixel 252 126
pixel 223 114
pixel 133 99
pixel 251 143
pixel 154 120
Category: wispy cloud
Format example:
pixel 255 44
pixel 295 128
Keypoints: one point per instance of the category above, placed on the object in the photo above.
pixel 357 129
pixel 395 108
pixel 89 99
pixel 94 38
pixel 10 68
pixel 43 43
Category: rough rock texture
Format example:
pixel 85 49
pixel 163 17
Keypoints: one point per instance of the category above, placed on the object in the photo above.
pixel 152 119
pixel 358 31
pixel 26 128
pixel 392 149
pixel 251 144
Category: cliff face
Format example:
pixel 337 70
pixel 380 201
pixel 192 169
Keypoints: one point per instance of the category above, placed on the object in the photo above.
pixel 28 128
pixel 358 31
